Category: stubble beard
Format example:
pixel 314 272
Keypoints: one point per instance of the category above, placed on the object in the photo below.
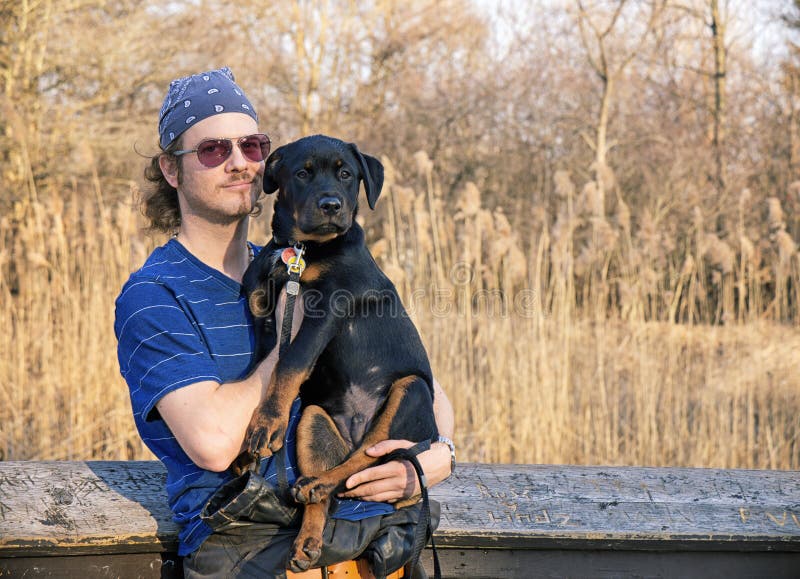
pixel 216 208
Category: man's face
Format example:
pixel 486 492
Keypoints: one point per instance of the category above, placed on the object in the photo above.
pixel 224 194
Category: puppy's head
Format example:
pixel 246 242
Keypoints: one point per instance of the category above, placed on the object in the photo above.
pixel 317 179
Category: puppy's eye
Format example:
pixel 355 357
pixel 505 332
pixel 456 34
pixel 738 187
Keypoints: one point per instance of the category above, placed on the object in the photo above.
pixel 301 174
pixel 345 174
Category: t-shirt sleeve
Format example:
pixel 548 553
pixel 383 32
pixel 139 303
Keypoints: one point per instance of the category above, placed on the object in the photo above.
pixel 159 346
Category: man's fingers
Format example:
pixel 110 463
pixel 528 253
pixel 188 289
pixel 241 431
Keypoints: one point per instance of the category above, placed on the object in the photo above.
pixel 388 482
pixel 372 474
pixel 386 446
pixel 369 491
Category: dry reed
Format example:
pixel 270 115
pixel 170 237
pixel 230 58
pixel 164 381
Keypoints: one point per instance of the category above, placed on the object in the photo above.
pixel 579 341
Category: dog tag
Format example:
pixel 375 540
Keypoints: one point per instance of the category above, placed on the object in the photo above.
pixel 297 264
pixel 293 262
pixel 292 288
pixel 287 254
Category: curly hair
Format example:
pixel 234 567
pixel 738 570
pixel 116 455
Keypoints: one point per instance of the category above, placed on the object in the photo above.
pixel 159 202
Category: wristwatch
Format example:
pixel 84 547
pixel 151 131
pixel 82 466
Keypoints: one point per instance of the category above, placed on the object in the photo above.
pixel 452 447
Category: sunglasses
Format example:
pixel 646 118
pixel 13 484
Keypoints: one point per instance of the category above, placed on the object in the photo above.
pixel 213 152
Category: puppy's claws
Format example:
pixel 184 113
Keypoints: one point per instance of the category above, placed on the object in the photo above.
pixel 276 440
pixel 299 565
pixel 257 446
pixel 307 490
pixel 306 556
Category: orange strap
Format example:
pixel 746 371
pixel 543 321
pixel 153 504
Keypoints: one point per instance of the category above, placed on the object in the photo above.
pixel 348 569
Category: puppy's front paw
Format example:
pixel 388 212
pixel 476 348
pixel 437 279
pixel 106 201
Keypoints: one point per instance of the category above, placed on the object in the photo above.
pixel 241 463
pixel 265 435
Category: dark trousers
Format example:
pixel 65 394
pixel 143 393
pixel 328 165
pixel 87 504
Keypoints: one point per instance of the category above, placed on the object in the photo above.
pixel 254 550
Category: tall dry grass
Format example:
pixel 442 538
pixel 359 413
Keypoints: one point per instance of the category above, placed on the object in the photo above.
pixel 580 340
pixel 63 262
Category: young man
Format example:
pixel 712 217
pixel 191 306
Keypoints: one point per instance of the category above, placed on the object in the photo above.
pixel 185 334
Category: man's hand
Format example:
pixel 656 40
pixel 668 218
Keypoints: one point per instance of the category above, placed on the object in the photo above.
pixel 397 480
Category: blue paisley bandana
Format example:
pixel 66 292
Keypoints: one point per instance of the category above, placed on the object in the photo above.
pixel 193 98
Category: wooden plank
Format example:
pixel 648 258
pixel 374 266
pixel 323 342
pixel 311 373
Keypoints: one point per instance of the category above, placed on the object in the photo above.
pixel 542 506
pixel 120 507
pixel 119 566
pixel 84 507
pixel 532 563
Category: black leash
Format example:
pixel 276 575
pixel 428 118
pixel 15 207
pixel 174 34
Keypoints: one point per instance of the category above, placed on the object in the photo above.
pixel 295 267
pixel 424 523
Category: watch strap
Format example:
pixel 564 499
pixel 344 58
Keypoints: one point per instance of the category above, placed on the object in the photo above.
pixel 452 447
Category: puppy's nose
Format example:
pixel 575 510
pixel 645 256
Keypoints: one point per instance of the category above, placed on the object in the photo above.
pixel 330 205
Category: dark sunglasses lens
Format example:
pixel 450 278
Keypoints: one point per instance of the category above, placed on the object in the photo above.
pixel 213 152
pixel 255 147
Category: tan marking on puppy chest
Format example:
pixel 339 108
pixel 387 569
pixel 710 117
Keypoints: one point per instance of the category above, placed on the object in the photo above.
pixel 313 272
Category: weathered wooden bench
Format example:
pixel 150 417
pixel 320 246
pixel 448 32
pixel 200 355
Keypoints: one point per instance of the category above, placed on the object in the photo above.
pixel 110 519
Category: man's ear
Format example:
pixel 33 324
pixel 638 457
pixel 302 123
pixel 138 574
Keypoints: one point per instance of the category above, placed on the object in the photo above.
pixel 169 168
pixel 371 174
pixel 271 172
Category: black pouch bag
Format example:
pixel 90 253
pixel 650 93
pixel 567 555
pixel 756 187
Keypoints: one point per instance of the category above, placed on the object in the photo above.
pixel 250 498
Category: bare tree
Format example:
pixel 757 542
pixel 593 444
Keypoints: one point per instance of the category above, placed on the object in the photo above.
pixel 79 81
pixel 717 26
pixel 601 26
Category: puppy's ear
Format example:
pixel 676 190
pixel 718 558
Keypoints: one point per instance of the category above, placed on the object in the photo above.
pixel 371 173
pixel 271 172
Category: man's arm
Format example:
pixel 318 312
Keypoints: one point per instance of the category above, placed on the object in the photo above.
pixel 396 480
pixel 210 420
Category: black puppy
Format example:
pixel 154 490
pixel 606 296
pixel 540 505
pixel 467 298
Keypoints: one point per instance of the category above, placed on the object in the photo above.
pixel 357 362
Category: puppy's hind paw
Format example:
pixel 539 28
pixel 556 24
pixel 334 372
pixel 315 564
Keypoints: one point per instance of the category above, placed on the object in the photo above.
pixel 310 490
pixel 305 553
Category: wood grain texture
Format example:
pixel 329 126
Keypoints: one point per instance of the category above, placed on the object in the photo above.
pixel 544 506
pixel 49 508
pixel 84 507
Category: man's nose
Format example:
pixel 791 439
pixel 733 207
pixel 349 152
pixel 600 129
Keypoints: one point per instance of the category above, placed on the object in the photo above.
pixel 330 205
pixel 237 160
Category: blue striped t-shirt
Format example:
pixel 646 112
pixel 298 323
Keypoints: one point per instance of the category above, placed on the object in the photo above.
pixel 179 322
